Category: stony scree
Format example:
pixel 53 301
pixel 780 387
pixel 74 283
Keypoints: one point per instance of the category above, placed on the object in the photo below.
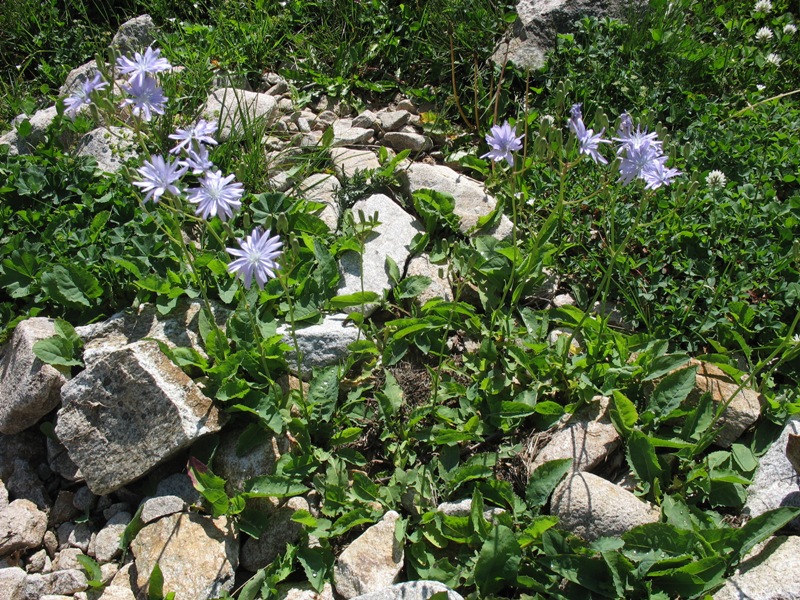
pixel 22 527
pixel 769 572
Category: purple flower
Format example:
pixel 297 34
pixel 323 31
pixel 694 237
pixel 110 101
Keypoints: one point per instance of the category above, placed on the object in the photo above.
pixel 657 174
pixel 159 177
pixel 503 140
pixel 216 196
pixel 588 141
pixel 197 160
pixel 642 156
pixel 146 97
pixel 200 133
pixel 83 93
pixel 142 64
pixel 256 258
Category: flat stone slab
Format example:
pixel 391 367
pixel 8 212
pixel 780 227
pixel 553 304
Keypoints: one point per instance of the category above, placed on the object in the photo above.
pixel 392 238
pixel 321 345
pixel 111 147
pixel 770 572
pixel 129 411
pixel 322 188
pixel 412 590
pixel 349 161
pixel 471 199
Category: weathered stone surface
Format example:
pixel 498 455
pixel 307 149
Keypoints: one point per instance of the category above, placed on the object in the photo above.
pixel 179 328
pixel 540 21
pixel 322 187
pixel 401 140
pixel 769 572
pixel 12 580
pixel 775 482
pixel 178 484
pixel 591 507
pixel 3 495
pixel 471 200
pixel 39 562
pixel 59 461
pixel 371 562
pixel 161 506
pixel 77 77
pixel 588 437
pixel 66 583
pixel 106 547
pixel 236 110
pixel 320 345
pixel 281 531
pixel 463 508
pixel 439 287
pixel 116 592
pixel 366 120
pixel 25 483
pixel 63 509
pixel 412 590
pixel 344 134
pixel 134 35
pixel 22 526
pixel 741 413
pixel 129 411
pixel 392 238
pixel 392 120
pixel 198 556
pixel 39 123
pixel 349 161
pixel 29 388
pixel 110 146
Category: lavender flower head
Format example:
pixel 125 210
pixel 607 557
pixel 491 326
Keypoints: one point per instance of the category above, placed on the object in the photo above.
pixel 198 161
pixel 588 141
pixel 159 177
pixel 200 133
pixel 143 64
pixel 642 156
pixel 216 196
pixel 83 94
pixel 256 257
pixel 146 98
pixel 503 140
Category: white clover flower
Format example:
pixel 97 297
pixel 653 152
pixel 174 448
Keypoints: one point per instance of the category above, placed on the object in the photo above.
pixel 716 180
pixel 796 338
pixel 760 87
pixel 789 29
pixel 763 6
pixel 764 34
pixel 774 59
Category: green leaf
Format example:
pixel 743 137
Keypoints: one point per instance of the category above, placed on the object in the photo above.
pixel 350 519
pixel 671 391
pixel 534 531
pixel 210 486
pixel 623 413
pixel 56 350
pixel 345 436
pixel 391 398
pixel 273 486
pixel 759 528
pixel 642 458
pixel 356 299
pixel 71 285
pixel 544 480
pixel 323 392
pixel 93 572
pixel 155 584
pixel 692 580
pixel 498 561
pixel 317 563
pixel 661 365
pixel 252 588
pixel 412 286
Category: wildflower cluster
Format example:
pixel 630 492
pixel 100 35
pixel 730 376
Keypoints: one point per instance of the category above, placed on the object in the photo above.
pixel 215 195
pixel 504 141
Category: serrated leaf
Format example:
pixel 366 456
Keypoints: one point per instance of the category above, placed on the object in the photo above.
pixel 317 563
pixel 323 392
pixel 93 572
pixel 671 391
pixel 623 413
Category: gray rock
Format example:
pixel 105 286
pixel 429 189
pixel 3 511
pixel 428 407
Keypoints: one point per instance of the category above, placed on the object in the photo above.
pixel 67 559
pixel 22 526
pixel 77 77
pixel 238 111
pixel 50 542
pixel 366 119
pixel 114 509
pixel 29 388
pixel 322 187
pixel 84 500
pixel 180 328
pixel 59 461
pixel 371 562
pixel 12 581
pixel 281 531
pixel 587 437
pixel 40 121
pixel 28 446
pixel 769 572
pixel 129 411
pixel 3 495
pixel 64 583
pixel 344 134
pixel 407 104
pixel 39 562
pixel 775 482
pixel 25 483
pixel 320 345
pixel 401 140
pixel 349 161
pixel 178 484
pixel 63 509
pixel 412 590
pixel 392 120
pixel 591 507
pixel 304 591
pixel 110 146
pixel 106 547
pixel 79 536
pixel 161 506
pixel 439 287
pixel 324 120
pixel 463 508
pixel 471 200
pixel 198 556
pixel 116 592
pixel 540 21
pixel 134 35
pixel 392 238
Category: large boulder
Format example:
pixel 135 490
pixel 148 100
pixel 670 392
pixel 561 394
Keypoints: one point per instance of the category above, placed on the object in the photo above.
pixel 22 527
pixel 134 35
pixel 29 388
pixel 237 110
pixel 129 411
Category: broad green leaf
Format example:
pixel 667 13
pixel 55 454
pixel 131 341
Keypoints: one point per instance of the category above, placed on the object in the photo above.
pixel 498 560
pixel 642 458
pixel 252 588
pixel 661 365
pixel 623 413
pixel 412 286
pixel 323 392
pixel 345 436
pixel 71 285
pixel 671 391
pixel 544 480
pixel 692 580
pixel 65 330
pixel 663 538
pixel 356 299
pixel 210 486
pixel 317 563
pixel 350 519
pixel 56 350
pixel 759 528
pixel 390 399
pixel 535 530
pixel 93 572
pixel 273 486
pixel 591 573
